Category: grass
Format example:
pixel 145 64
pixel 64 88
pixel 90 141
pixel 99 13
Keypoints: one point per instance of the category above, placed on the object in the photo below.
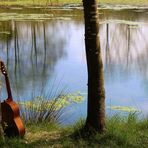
pixel 126 2
pixel 125 132
pixel 44 109
pixel 38 2
pixel 59 2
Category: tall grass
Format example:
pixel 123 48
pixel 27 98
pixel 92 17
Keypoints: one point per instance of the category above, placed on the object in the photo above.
pixel 120 131
pixel 39 110
pixel 44 108
pixel 38 2
pixel 61 2
pixel 124 132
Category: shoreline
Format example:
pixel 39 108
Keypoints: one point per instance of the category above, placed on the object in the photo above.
pixel 75 6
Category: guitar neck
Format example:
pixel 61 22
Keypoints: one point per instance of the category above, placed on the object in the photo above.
pixel 8 87
pixel 4 72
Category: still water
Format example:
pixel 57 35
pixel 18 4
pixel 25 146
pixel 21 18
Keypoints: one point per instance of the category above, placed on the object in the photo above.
pixel 44 52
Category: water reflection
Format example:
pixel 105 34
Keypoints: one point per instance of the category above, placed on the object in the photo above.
pixel 39 51
pixel 125 46
pixel 126 69
pixel 33 51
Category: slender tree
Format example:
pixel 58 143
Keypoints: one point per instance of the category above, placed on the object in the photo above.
pixel 1 128
pixel 96 93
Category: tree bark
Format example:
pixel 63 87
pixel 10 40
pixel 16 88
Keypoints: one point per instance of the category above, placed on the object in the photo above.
pixel 96 92
pixel 1 128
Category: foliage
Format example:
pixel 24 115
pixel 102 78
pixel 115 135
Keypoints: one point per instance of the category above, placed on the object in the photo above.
pixel 127 2
pixel 120 132
pixel 59 2
pixel 123 108
pixel 19 16
pixel 41 108
pixel 39 103
pixel 38 2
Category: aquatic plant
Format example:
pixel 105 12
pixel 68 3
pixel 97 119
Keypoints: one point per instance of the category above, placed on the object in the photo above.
pixel 43 109
pixel 123 108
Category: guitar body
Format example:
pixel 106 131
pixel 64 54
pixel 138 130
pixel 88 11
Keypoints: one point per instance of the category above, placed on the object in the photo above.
pixel 11 122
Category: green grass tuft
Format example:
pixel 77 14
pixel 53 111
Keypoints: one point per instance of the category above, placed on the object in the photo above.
pixel 126 132
pixel 63 2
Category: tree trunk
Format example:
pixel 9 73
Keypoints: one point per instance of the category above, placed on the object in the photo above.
pixel 96 94
pixel 1 129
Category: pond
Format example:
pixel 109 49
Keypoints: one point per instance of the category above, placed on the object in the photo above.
pixel 44 52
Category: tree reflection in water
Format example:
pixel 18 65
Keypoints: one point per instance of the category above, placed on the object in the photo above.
pixel 34 52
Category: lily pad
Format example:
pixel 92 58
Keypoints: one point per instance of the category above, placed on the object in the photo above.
pixel 5 32
pixel 39 103
pixel 16 16
pixel 123 108
pixel 126 22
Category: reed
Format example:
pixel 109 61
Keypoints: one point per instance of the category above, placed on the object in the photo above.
pixel 47 108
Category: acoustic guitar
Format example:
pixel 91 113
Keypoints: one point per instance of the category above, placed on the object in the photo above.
pixel 11 121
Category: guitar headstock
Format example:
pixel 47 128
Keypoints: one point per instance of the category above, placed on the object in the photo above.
pixel 3 68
